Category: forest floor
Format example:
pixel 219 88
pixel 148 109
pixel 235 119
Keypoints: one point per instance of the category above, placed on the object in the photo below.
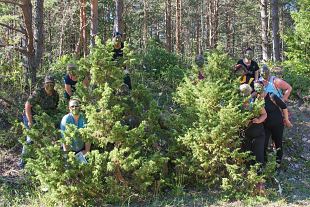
pixel 292 188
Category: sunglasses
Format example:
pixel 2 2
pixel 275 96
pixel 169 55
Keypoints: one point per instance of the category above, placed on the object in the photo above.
pixel 74 106
pixel 50 84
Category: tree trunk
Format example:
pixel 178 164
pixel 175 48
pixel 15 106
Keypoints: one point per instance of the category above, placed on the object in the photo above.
pixel 178 26
pixel 39 32
pixel 168 25
pixel 198 29
pixel 118 21
pixel 275 30
pixel 264 28
pixel 84 34
pixel 145 28
pixel 94 21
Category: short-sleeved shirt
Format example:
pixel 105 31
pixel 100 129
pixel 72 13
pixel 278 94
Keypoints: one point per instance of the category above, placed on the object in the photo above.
pixel 77 143
pixel 70 82
pixel 250 69
pixel 118 52
pixel 48 103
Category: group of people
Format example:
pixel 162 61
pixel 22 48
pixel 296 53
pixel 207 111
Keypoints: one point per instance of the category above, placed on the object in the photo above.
pixel 255 84
pixel 258 84
pixel 47 99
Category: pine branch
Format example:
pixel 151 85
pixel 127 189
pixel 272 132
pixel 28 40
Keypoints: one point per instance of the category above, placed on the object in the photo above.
pixel 11 2
pixel 12 28
pixel 23 50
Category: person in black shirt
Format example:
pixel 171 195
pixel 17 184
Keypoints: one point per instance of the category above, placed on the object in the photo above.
pixel 70 80
pixel 250 65
pixel 274 124
pixel 118 53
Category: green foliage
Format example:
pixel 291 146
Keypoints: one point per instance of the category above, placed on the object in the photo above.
pixel 161 72
pixel 298 43
pixel 212 142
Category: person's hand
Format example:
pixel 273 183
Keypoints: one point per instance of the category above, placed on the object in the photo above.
pixel 256 121
pixel 84 152
pixel 288 123
pixel 29 124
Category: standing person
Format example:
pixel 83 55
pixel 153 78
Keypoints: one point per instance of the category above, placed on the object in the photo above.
pixel 275 122
pixel 70 79
pixel 47 99
pixel 254 134
pixel 275 85
pixel 118 45
pixel 250 65
pixel 199 60
pixel 76 118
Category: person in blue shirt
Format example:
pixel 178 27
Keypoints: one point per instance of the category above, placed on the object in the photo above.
pixel 74 117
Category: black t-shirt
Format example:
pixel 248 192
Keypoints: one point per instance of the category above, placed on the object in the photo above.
pixel 70 82
pixel 118 52
pixel 251 68
pixel 273 109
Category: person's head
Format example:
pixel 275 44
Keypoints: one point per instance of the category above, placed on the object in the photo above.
pixel 117 37
pixel 74 106
pixel 245 90
pixel 72 69
pixel 265 73
pixel 259 87
pixel 49 84
pixel 249 53
pixel 239 70
pixel 199 60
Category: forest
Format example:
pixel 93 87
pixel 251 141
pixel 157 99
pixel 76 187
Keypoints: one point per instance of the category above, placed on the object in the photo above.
pixel 156 100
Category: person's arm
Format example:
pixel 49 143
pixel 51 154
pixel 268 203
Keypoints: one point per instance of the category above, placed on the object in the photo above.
pixel 28 113
pixel 261 118
pixel 86 81
pixel 87 148
pixel 283 85
pixel 256 76
pixel 62 129
pixel 283 106
pixel 68 89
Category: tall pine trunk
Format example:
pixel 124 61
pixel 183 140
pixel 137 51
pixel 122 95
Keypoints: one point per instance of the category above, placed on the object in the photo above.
pixel 118 21
pixel 94 21
pixel 178 26
pixel 145 20
pixel 275 30
pixel 264 28
pixel 168 25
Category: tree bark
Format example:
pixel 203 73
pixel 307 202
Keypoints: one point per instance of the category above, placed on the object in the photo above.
pixel 264 28
pixel 145 19
pixel 178 27
pixel 94 21
pixel 118 21
pixel 275 30
pixel 168 25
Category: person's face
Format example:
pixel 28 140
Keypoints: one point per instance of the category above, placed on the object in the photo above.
pixel 72 72
pixel 117 39
pixel 249 54
pixel 74 107
pixel 265 75
pixel 49 87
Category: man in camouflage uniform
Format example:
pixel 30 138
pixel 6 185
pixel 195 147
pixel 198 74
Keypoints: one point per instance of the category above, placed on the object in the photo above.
pixel 45 98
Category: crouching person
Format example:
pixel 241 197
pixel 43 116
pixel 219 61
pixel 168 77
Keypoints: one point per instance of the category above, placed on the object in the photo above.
pixel 76 118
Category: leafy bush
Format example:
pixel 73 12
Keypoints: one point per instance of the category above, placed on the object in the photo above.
pixel 298 43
